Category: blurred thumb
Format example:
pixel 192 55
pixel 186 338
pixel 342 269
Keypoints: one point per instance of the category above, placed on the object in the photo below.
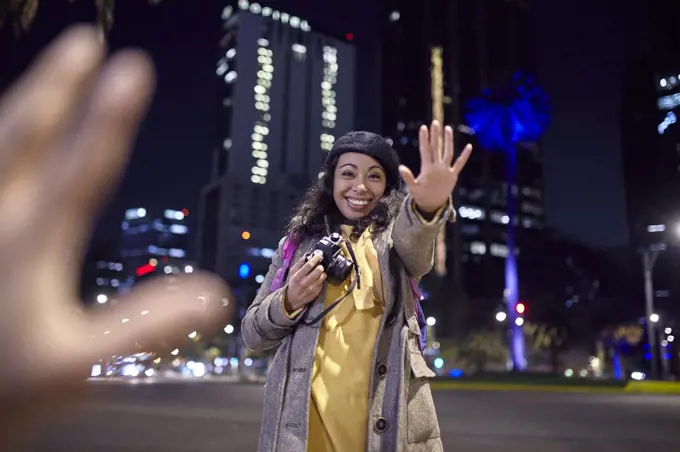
pixel 407 175
pixel 163 311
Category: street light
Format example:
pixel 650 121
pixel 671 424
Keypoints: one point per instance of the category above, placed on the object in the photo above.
pixel 649 256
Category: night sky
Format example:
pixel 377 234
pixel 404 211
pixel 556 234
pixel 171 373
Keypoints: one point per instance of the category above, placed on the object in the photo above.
pixel 580 51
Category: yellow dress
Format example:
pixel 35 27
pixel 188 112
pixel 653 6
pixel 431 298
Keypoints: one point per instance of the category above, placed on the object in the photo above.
pixel 338 411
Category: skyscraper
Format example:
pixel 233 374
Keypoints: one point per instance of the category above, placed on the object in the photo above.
pixel 286 93
pixel 438 55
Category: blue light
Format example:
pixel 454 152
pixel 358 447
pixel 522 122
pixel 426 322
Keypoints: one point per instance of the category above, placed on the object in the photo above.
pixel 244 271
pixel 438 363
pixel 515 112
pixel 502 117
pixel 456 373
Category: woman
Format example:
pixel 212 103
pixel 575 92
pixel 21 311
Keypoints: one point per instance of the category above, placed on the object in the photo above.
pixel 349 375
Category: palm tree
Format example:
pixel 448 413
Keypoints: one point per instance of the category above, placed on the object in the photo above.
pixel 514 112
pixel 22 13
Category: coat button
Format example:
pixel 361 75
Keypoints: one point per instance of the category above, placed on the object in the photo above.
pixel 380 425
pixel 381 370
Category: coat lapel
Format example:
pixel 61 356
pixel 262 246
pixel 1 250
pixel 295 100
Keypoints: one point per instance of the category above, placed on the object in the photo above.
pixel 382 246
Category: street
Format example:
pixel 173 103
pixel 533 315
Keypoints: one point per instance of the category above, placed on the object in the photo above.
pixel 218 416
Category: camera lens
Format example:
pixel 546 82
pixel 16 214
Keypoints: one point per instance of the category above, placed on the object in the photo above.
pixel 339 269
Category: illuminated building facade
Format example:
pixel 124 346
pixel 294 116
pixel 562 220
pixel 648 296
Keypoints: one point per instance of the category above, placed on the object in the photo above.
pixel 151 238
pixel 436 57
pixel 286 93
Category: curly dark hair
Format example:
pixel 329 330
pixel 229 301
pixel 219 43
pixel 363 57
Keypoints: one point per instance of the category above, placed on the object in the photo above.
pixel 318 203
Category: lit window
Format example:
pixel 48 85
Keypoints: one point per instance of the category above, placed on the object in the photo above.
pixel 471 212
pixel 299 51
pixel 265 74
pixel 328 95
pixel 499 250
pixel 255 8
pixel 478 248
pixel 230 77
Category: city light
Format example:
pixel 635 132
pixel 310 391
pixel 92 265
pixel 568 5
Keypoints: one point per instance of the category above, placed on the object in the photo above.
pixel 438 363
pixel 519 321
pixel 328 101
pixel 265 74
pixel 101 298
pixel 654 318
pixel 520 308
pixel 501 316
pixel 431 321
pixel 229 329
pixel 245 235
pixel 244 271
pixel 193 335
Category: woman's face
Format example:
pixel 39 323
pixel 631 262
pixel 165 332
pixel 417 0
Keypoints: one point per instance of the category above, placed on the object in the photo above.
pixel 358 184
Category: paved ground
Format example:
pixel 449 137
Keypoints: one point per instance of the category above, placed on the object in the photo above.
pixel 217 416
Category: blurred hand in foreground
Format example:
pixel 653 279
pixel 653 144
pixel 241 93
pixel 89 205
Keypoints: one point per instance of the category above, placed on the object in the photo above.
pixel 66 129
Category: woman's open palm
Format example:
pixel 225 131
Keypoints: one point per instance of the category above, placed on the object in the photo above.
pixel 438 177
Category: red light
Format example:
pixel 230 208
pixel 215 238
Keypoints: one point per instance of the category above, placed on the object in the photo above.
pixel 185 212
pixel 145 269
pixel 349 36
pixel 520 308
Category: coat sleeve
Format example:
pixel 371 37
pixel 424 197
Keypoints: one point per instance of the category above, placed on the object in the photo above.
pixel 413 237
pixel 266 322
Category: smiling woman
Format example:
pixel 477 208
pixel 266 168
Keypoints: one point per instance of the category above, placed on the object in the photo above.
pixel 349 373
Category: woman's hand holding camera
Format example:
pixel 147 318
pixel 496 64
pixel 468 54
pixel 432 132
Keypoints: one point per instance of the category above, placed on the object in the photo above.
pixel 304 283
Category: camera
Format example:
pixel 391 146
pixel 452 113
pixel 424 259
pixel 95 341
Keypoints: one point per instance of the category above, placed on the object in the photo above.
pixel 336 266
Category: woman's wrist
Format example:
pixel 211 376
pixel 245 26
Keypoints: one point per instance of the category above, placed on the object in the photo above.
pixel 427 214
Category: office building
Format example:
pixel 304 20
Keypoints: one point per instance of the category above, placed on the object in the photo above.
pixel 285 93
pixel 152 238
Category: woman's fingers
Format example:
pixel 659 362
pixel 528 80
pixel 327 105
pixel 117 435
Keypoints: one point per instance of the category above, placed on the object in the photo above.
pixel 93 157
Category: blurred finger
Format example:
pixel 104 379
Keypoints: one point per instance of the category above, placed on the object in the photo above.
pixel 426 155
pixel 435 141
pixel 96 155
pixel 407 175
pixel 462 159
pixel 448 146
pixel 42 103
pixel 156 314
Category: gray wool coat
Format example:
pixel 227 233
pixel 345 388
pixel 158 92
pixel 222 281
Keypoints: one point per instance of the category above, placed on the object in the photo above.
pixel 402 414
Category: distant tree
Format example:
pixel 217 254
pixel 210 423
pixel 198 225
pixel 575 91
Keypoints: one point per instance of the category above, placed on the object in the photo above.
pixel 22 13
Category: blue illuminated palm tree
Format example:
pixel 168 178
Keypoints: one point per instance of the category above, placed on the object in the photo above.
pixel 517 111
